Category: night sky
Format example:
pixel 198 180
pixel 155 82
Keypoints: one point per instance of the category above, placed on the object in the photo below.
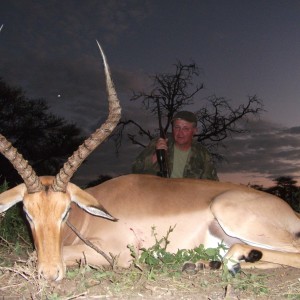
pixel 243 48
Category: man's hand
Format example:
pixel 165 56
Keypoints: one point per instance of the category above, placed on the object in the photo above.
pixel 160 144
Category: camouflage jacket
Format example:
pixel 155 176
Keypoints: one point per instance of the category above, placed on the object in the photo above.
pixel 199 163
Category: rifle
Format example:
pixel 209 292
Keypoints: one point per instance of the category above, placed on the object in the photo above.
pixel 161 153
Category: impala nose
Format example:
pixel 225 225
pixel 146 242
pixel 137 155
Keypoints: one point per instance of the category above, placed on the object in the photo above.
pixel 51 272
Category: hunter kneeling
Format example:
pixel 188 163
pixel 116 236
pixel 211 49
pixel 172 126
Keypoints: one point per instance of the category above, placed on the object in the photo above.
pixel 186 158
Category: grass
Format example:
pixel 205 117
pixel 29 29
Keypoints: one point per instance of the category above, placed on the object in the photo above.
pixel 15 236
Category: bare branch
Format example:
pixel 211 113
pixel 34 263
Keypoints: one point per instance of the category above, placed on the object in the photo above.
pixel 221 121
pixel 217 118
pixel 141 132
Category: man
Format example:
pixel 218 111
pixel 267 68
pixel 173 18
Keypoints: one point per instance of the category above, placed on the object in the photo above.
pixel 185 157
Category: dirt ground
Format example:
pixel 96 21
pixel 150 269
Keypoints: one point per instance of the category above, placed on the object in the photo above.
pixel 20 281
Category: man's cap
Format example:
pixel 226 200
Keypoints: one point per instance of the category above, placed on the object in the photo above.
pixel 186 116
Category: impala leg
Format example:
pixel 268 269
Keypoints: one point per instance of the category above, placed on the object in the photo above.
pixel 240 252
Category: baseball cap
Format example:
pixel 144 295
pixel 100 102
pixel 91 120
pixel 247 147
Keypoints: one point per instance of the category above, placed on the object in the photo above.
pixel 186 116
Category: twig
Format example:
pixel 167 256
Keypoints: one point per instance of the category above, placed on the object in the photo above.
pixel 14 271
pixel 9 245
pixel 26 242
pixel 87 242
pixel 76 296
pixel 10 286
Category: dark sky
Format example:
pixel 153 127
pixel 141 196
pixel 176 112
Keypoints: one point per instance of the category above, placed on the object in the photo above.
pixel 243 48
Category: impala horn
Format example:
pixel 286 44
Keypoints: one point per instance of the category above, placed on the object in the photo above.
pixel 90 144
pixel 61 180
pixel 21 165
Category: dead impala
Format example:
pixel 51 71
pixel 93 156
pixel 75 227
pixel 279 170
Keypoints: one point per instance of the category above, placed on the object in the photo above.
pixel 252 224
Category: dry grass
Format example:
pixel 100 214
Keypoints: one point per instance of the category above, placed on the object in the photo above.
pixel 19 280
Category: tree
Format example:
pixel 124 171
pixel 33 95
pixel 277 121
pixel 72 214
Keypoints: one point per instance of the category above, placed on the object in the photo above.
pixel 100 179
pixel 42 138
pixel 174 92
pixel 287 190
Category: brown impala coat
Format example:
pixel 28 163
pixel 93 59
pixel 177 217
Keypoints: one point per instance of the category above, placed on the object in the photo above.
pixel 204 212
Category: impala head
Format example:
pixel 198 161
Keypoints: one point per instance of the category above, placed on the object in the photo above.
pixel 47 200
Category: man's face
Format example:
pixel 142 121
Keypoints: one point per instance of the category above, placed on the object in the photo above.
pixel 183 132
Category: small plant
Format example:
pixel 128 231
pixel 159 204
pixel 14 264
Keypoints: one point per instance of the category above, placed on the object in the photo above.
pixel 158 259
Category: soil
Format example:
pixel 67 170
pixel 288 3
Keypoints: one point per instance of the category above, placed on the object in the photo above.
pixel 18 280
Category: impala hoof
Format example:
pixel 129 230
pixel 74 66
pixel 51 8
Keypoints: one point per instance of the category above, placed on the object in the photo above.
pixel 190 268
pixel 208 265
pixel 215 265
pixel 193 268
pixel 235 269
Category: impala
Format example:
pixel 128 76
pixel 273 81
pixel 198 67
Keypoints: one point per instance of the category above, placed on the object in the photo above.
pixel 122 211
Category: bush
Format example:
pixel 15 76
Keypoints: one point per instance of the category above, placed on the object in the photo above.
pixel 13 226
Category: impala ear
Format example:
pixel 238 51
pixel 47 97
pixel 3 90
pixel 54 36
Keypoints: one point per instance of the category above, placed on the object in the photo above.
pixel 11 197
pixel 88 202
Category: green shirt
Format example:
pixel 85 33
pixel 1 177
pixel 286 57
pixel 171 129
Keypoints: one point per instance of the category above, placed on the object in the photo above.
pixel 179 162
